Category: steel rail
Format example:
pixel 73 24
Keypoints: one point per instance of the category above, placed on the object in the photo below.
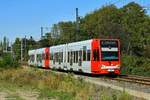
pixel 133 79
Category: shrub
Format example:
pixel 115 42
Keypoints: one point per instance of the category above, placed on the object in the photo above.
pixel 135 65
pixel 7 61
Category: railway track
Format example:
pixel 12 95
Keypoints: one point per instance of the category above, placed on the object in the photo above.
pixel 133 79
pixel 129 78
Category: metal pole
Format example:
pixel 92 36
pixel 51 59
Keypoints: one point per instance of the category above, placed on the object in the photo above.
pixel 25 48
pixel 3 47
pixel 21 50
pixel 77 23
pixel 6 45
pixel 12 54
pixel 41 32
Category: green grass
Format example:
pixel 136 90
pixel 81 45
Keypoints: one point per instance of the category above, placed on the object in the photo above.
pixel 124 96
pixel 55 94
pixel 49 85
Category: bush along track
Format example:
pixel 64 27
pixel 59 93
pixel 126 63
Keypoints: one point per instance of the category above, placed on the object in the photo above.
pixel 135 65
pixel 7 61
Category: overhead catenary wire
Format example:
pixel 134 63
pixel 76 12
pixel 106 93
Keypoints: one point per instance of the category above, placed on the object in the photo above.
pixel 114 2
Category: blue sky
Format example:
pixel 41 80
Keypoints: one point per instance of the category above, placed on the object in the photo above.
pixel 25 17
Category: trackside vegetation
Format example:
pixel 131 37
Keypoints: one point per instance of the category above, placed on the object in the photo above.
pixel 7 61
pixel 32 83
pixel 135 65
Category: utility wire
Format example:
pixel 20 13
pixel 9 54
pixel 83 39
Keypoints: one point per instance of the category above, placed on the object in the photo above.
pixel 115 2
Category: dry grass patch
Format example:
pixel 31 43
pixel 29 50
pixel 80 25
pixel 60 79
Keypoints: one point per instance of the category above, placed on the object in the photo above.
pixel 50 85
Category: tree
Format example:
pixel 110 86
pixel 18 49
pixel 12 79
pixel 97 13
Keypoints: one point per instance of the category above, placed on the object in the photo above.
pixel 103 22
pixel 134 20
pixel 17 49
pixel 65 32
pixel 5 43
pixel 1 48
pixel 55 33
pixel 46 41
pixel 31 43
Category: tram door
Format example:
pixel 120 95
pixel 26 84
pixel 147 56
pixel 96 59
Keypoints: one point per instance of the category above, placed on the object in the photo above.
pixel 47 57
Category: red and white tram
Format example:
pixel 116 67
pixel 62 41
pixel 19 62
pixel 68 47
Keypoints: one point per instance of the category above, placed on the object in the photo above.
pixel 95 56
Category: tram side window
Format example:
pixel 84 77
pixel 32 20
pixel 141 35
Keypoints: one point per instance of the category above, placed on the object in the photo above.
pixel 43 56
pixel 39 58
pixel 96 55
pixel 64 56
pixel 88 55
pixel 76 53
pixel 80 54
pixel 71 58
pixel 80 58
pixel 47 56
pixel 51 56
pixel 84 55
pixel 32 58
pixel 54 60
pixel 56 57
pixel 61 56
pixel 68 56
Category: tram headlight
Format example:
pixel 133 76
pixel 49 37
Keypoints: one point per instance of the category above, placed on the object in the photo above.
pixel 118 66
pixel 103 67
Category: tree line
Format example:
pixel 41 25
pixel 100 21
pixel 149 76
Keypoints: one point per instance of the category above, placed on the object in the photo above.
pixel 130 24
